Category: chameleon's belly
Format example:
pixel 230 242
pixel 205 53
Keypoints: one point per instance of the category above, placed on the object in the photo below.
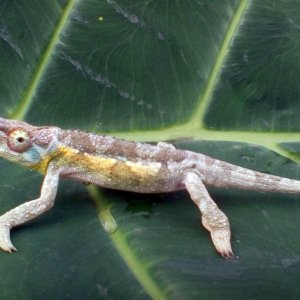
pixel 139 176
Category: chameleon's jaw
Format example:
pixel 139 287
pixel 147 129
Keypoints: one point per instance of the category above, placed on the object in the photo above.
pixel 7 154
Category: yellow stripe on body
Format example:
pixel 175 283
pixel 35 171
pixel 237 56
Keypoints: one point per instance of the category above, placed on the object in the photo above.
pixel 109 168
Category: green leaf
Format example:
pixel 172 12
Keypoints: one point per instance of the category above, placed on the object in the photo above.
pixel 216 77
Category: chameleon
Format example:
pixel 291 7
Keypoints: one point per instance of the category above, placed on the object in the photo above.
pixel 124 165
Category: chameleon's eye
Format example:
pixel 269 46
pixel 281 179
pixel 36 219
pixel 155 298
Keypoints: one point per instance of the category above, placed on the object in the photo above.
pixel 18 140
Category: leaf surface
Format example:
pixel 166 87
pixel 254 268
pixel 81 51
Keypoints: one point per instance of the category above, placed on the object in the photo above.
pixel 216 77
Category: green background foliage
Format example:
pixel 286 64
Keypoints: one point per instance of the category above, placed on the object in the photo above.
pixel 217 77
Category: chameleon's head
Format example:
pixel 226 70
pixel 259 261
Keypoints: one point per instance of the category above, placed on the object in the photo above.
pixel 26 144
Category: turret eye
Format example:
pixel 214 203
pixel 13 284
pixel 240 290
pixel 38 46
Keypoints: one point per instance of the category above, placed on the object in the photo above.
pixel 18 140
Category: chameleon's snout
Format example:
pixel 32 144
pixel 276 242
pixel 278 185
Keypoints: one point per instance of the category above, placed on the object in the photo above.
pixel 3 138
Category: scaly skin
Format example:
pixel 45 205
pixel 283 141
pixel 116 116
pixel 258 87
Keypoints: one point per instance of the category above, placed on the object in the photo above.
pixel 124 165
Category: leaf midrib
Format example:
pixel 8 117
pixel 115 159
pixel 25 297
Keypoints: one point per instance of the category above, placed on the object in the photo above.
pixel 20 111
pixel 198 117
pixel 120 243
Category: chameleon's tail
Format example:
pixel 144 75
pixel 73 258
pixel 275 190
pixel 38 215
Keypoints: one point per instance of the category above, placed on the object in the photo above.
pixel 221 174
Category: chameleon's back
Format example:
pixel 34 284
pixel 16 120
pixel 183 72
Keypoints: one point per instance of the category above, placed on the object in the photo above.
pixel 113 147
pixel 120 164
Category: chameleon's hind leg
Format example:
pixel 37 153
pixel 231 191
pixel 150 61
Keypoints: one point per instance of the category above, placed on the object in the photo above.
pixel 213 219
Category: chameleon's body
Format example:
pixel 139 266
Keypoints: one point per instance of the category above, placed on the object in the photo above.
pixel 123 165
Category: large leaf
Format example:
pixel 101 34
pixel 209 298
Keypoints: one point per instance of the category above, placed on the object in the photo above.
pixel 223 71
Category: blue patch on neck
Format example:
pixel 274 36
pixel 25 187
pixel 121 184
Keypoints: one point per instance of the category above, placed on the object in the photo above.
pixel 32 155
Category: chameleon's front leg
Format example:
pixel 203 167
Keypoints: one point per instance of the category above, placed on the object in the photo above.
pixel 213 219
pixel 30 209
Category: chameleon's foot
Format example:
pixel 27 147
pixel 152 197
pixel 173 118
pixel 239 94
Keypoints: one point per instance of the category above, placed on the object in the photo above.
pixel 220 236
pixel 5 242
pixel 221 240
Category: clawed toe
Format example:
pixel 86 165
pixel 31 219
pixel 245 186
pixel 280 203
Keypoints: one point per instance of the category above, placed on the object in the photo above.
pixel 221 240
pixel 5 242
